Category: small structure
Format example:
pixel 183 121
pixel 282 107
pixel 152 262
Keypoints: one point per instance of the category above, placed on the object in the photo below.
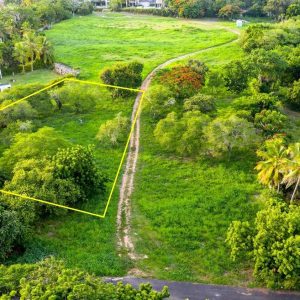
pixel 4 86
pixel 239 23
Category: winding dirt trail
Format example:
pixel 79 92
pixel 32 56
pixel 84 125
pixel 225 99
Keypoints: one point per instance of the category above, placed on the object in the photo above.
pixel 124 239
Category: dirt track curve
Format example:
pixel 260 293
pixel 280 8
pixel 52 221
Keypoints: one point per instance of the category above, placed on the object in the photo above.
pixel 124 239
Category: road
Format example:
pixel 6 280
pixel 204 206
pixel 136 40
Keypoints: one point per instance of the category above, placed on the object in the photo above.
pixel 195 291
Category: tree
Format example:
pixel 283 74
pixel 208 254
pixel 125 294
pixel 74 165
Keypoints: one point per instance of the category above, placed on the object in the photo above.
pixel 229 11
pixel 225 134
pixel 294 95
pixel 236 75
pixel 124 75
pixel 184 135
pixel 199 67
pixel 31 44
pixel 293 10
pixel 50 279
pixel 78 165
pixel 292 174
pixel 1 58
pixel 160 101
pixel 270 122
pixel 200 102
pixel 37 145
pixel 183 80
pixel 21 54
pixel 269 67
pixel 114 132
pixel 271 168
pixel 277 8
pixel 272 242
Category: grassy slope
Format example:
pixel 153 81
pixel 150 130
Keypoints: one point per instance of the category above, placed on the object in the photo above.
pixel 92 43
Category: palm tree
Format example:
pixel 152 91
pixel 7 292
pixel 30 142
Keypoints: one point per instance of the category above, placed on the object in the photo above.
pixel 30 41
pixel 293 168
pixel 21 54
pixel 272 166
pixel 45 50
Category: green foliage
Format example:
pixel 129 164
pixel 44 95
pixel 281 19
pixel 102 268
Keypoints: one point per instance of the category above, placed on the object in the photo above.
pixel 78 165
pixel 182 135
pixel 256 103
pixel 294 95
pixel 200 102
pixel 226 134
pixel 270 122
pixel 34 145
pixel 236 76
pixel 12 231
pixel 50 279
pixel 273 243
pixel 159 101
pixel 123 75
pixel 229 11
pixel 115 131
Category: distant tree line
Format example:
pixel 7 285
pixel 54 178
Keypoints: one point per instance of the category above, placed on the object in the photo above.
pixel 229 9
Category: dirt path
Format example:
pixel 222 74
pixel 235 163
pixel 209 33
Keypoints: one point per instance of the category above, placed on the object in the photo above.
pixel 124 239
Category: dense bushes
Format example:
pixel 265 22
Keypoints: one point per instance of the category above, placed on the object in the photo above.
pixel 50 279
pixel 123 75
pixel 272 242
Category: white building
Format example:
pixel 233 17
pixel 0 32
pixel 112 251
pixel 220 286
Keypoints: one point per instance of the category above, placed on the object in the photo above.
pixel 4 86
pixel 130 3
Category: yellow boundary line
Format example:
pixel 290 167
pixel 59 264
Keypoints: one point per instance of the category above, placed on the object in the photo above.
pixel 123 155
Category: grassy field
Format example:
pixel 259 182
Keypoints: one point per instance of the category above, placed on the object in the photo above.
pixel 81 240
pixel 181 208
pixel 94 42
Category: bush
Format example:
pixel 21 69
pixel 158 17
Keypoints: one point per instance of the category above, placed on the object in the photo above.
pixel 159 101
pixel 200 102
pixel 78 165
pixel 256 103
pixel 123 75
pixel 35 145
pixel 114 132
pixel 164 12
pixel 49 279
pixel 85 8
pixel 184 135
pixel 229 11
pixel 229 133
pixel 184 81
pixel 273 242
pixel 270 122
pixel 12 231
pixel 294 95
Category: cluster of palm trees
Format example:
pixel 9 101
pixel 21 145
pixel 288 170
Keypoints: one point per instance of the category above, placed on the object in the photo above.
pixel 280 165
pixel 33 48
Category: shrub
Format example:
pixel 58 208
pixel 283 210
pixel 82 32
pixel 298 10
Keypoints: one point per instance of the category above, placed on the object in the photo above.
pixel 159 101
pixel 12 231
pixel 78 165
pixel 114 132
pixel 184 81
pixel 256 103
pixel 85 8
pixel 199 67
pixel 229 11
pixel 294 95
pixel 164 12
pixel 229 133
pixel 123 75
pixel 200 102
pixel 273 242
pixel 35 145
pixel 270 122
pixel 184 135
pixel 50 279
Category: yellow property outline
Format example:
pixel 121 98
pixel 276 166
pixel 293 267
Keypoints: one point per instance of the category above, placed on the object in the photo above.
pixel 123 155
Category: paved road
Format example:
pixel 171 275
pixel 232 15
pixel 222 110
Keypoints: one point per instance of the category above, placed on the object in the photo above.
pixel 193 291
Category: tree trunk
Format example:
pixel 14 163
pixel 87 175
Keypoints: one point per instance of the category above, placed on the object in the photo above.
pixel 31 63
pixel 1 74
pixel 296 188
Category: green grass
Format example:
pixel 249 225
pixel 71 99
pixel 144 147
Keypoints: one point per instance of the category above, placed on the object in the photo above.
pixel 94 42
pixel 80 240
pixel 37 76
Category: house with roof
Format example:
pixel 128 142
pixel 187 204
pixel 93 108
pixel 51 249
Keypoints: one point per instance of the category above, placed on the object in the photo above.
pixel 131 3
